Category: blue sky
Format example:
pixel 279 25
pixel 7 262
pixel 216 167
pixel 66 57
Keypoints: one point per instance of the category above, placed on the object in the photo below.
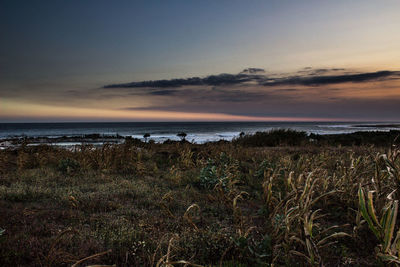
pixel 58 53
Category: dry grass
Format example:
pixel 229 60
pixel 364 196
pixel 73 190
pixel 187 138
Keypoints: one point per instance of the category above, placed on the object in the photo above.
pixel 199 205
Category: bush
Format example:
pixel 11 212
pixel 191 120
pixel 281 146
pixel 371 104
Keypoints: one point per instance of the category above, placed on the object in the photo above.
pixel 279 137
pixel 68 166
pixel 359 138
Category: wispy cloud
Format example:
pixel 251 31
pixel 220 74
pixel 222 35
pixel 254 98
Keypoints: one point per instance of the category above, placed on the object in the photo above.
pixel 328 92
pixel 212 80
pixel 257 76
pixel 323 92
pixel 165 92
pixel 334 79
pixel 252 71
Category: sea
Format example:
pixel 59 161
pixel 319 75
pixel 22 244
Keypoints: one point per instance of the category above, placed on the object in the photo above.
pixel 197 132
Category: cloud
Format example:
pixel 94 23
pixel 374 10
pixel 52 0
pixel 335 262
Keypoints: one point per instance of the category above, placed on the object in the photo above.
pixel 252 71
pixel 257 76
pixel 323 71
pixel 164 92
pixel 258 93
pixel 334 79
pixel 212 80
pixel 246 76
pixel 287 90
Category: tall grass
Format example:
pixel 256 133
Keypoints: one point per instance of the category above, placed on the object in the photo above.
pixel 226 204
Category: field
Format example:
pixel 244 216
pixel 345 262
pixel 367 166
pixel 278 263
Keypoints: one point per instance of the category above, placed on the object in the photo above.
pixel 272 199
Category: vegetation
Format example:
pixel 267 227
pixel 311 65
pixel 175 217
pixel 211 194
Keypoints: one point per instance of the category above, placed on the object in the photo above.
pixel 294 203
pixel 273 138
pixel 358 138
pixel 182 135
pixel 287 137
pixel 145 136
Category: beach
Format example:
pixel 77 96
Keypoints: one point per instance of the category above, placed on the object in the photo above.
pixel 197 132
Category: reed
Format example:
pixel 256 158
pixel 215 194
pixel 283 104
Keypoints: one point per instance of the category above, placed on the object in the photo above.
pixel 222 204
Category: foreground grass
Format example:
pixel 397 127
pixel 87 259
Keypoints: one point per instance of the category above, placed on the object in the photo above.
pixel 215 204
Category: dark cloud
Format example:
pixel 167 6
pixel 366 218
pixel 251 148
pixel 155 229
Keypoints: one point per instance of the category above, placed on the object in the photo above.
pixel 256 76
pixel 212 80
pixel 252 71
pixel 224 93
pixel 164 92
pixel 334 79
pixel 287 90
pixel 311 71
pixel 245 76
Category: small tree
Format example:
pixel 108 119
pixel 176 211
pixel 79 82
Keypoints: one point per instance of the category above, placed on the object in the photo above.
pixel 145 136
pixel 182 135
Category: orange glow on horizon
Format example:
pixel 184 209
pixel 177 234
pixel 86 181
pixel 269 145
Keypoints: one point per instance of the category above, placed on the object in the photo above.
pixel 16 110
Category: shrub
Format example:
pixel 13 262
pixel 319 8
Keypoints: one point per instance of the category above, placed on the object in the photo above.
pixel 182 135
pixel 281 137
pixel 68 166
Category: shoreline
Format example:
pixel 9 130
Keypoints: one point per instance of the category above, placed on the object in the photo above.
pixel 98 140
pixel 377 125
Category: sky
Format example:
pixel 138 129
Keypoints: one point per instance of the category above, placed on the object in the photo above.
pixel 199 60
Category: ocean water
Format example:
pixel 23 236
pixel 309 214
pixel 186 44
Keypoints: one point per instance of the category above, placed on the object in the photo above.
pixel 198 132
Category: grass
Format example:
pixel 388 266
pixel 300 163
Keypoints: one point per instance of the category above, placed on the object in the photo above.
pixel 251 202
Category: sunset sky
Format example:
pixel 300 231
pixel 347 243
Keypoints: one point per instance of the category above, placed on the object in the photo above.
pixel 199 60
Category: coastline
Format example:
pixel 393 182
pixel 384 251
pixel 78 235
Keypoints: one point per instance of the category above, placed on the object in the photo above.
pixel 380 138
